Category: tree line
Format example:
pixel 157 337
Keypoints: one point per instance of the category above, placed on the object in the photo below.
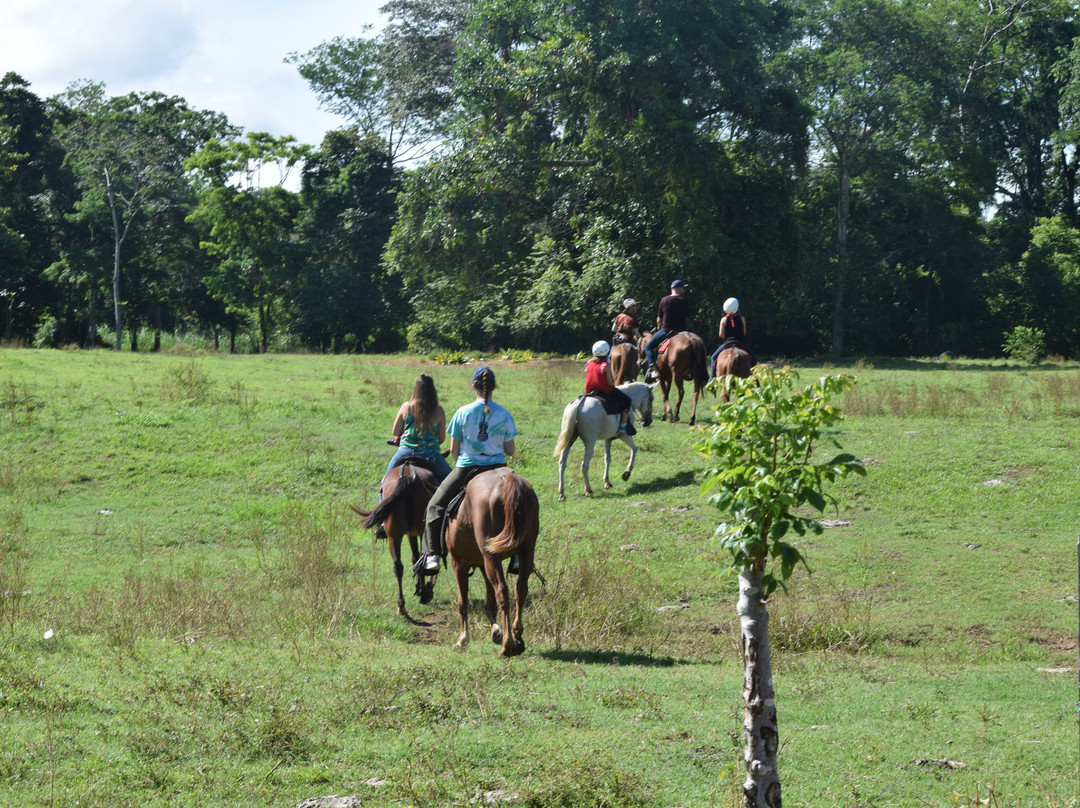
pixel 866 176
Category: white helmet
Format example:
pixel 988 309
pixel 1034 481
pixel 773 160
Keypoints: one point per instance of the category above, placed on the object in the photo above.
pixel 731 305
pixel 600 348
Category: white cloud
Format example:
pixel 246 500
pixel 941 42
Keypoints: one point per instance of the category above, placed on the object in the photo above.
pixel 225 56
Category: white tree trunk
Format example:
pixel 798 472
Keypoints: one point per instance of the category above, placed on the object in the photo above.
pixel 762 786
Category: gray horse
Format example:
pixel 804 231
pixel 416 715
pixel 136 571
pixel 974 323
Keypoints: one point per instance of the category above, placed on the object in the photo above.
pixel 584 418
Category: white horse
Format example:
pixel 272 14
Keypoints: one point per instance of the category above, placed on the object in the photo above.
pixel 584 418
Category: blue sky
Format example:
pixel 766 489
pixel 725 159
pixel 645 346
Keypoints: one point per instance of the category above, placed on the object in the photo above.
pixel 225 56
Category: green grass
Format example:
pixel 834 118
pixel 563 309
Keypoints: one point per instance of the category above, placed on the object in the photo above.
pixel 224 633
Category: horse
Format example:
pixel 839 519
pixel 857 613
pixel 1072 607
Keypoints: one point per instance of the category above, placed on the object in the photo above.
pixel 624 362
pixel 406 490
pixel 733 360
pixel 584 418
pixel 683 358
pixel 499 518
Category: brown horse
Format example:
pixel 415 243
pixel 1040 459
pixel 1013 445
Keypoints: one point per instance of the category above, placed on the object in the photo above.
pixel 733 360
pixel 683 358
pixel 624 362
pixel 406 490
pixel 499 518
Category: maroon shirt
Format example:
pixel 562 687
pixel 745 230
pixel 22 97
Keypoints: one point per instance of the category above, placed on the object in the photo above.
pixel 673 313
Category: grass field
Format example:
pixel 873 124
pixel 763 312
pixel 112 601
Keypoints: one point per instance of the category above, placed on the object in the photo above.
pixel 190 614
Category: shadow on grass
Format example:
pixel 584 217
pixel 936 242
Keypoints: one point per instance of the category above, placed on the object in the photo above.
pixel 680 480
pixel 610 658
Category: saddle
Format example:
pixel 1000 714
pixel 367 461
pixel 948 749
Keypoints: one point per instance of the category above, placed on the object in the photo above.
pixel 664 344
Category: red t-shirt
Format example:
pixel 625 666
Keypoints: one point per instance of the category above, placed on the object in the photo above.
pixel 596 377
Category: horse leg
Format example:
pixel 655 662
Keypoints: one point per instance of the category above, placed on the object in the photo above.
pixel 461 573
pixel 393 544
pixel 693 410
pixel 424 584
pixel 665 388
pixel 678 403
pixel 494 575
pixel 520 597
pixel 562 472
pixel 590 447
pixel 491 609
pixel 607 462
pixel 633 453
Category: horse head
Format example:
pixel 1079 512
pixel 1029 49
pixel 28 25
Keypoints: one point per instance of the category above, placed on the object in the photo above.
pixel 645 408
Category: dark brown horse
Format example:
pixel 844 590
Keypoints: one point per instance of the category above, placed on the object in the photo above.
pixel 683 358
pixel 624 362
pixel 733 360
pixel 406 490
pixel 498 519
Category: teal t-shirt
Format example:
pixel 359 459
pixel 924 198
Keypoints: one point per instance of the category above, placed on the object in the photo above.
pixel 478 449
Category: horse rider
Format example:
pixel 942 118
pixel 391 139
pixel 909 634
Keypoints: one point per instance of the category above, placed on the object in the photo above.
pixel 625 326
pixel 671 317
pixel 481 438
pixel 732 331
pixel 600 383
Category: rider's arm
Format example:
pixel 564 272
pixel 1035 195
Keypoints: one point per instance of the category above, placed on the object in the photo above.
pixel 745 330
pixel 399 421
pixel 508 447
pixel 455 448
pixel 608 374
pixel 442 425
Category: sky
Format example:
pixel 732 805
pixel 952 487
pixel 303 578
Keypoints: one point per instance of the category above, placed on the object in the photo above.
pixel 220 55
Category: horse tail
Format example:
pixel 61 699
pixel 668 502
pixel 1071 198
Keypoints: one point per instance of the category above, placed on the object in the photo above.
pixel 700 363
pixel 568 432
pixel 408 486
pixel 520 510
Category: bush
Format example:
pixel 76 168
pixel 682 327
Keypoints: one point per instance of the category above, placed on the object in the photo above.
pixel 1025 344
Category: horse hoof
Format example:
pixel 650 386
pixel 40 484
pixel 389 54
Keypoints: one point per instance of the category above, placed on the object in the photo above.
pixel 607 485
pixel 625 476
pixel 562 497
pixel 496 635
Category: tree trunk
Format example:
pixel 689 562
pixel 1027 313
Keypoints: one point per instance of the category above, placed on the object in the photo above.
pixel 843 212
pixel 91 333
pixel 762 786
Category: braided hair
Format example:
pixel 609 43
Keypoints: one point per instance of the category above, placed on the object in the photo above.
pixel 484 383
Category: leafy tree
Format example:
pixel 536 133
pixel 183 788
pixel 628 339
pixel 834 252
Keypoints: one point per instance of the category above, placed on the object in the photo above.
pixel 342 298
pixel 764 443
pixel 128 156
pixel 396 85
pixel 32 198
pixel 248 225
pixel 599 149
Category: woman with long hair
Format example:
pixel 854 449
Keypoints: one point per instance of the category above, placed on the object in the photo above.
pixel 481 438
pixel 420 428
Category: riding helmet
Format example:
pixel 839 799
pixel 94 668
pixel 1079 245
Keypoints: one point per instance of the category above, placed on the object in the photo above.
pixel 731 305
pixel 600 348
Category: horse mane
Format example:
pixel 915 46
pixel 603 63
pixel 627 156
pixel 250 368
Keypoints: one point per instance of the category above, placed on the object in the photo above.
pixel 520 507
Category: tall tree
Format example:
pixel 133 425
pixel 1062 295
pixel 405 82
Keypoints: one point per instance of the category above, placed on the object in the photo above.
pixel 599 149
pixel 342 298
pixel 248 217
pixel 32 198
pixel 128 155
pixel 397 84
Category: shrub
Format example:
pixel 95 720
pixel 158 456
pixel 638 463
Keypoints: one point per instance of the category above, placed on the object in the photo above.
pixel 1025 344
